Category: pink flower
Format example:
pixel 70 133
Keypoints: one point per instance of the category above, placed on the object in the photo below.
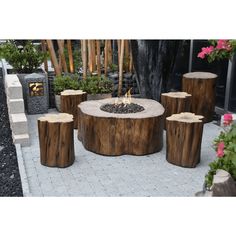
pixel 208 50
pixel 220 149
pixel 223 44
pixel 228 119
pixel 205 51
pixel 201 55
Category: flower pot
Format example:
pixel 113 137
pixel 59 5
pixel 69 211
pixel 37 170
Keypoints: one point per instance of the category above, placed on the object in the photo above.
pixel 58 102
pixel 98 96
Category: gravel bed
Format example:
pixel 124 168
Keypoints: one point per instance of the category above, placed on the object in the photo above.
pixel 10 182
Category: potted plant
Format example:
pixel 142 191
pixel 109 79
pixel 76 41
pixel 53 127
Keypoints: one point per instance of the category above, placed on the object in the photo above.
pixel 62 83
pixel 96 87
pixel 225 147
pixel 24 56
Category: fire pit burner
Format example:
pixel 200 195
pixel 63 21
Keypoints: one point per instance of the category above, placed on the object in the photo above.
pixel 122 108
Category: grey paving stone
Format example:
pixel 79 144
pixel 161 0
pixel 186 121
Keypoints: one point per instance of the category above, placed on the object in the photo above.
pixel 97 175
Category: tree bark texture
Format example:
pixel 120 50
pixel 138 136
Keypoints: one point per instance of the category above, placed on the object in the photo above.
pixel 113 134
pixel 183 139
pixel 56 140
pixel 175 102
pixel 70 99
pixel 202 87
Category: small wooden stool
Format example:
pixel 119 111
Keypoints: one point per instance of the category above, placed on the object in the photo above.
pixel 56 140
pixel 70 99
pixel 175 102
pixel 183 139
pixel 202 87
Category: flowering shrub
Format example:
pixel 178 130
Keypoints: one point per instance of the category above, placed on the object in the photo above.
pixel 225 146
pixel 219 49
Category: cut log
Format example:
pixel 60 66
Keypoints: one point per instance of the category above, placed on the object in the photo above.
pixel 201 85
pixel 56 140
pixel 70 99
pixel 114 134
pixel 175 102
pixel 183 139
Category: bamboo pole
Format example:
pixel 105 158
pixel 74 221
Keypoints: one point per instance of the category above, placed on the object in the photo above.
pixel 118 46
pixel 53 57
pixel 121 67
pixel 44 49
pixel 84 57
pixel 126 55
pixel 93 55
pixel 109 52
pixel 98 58
pixel 106 57
pixel 131 63
pixel 62 55
pixel 70 55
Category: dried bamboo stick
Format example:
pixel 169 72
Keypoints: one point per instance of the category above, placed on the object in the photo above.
pixel 121 68
pixel 84 57
pixel 53 57
pixel 98 58
pixel 62 55
pixel 70 55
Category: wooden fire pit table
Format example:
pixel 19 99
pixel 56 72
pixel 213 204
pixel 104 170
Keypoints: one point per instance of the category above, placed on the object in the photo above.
pixel 114 134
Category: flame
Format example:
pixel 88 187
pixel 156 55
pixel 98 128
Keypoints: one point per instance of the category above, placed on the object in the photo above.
pixel 127 98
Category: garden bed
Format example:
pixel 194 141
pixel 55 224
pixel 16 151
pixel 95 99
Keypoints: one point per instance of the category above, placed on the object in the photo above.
pixel 10 182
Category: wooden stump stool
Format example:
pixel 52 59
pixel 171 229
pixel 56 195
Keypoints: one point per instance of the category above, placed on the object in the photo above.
pixel 183 139
pixel 56 140
pixel 202 87
pixel 175 102
pixel 70 99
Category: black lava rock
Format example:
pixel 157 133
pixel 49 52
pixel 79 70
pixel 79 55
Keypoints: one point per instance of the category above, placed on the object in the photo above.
pixel 122 108
pixel 10 182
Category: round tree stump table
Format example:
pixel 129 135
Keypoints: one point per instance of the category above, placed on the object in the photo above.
pixel 70 99
pixel 183 139
pixel 56 140
pixel 202 87
pixel 117 134
pixel 175 102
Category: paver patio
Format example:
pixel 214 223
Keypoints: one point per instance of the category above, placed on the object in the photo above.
pixel 96 175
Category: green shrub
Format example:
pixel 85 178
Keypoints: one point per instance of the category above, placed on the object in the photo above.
pixel 62 83
pixel 96 85
pixel 23 58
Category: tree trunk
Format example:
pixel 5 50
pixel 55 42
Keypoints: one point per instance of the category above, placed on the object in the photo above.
pixel 121 68
pixel 175 102
pixel 56 140
pixel 70 99
pixel 70 55
pixel 201 85
pixel 53 57
pixel 183 139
